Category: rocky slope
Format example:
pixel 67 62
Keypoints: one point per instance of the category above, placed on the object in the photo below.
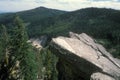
pixel 81 58
pixel 40 42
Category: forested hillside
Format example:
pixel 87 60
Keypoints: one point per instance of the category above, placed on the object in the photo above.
pixel 30 17
pixel 101 23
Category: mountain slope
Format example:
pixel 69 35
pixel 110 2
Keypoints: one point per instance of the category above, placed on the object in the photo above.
pixel 39 13
pixel 31 15
pixel 90 19
pixel 42 20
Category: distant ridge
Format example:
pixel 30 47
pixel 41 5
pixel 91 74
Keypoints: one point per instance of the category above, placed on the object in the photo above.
pixel 41 7
pixel 28 15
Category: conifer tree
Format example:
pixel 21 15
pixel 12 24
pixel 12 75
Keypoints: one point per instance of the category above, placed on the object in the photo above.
pixel 22 51
pixel 17 58
pixel 4 39
pixel 4 54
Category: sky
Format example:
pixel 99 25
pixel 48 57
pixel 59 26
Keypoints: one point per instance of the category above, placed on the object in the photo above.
pixel 67 5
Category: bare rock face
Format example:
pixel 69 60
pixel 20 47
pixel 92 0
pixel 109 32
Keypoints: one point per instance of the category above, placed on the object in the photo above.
pixel 39 42
pixel 87 59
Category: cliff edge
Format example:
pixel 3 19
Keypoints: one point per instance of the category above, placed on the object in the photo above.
pixel 86 59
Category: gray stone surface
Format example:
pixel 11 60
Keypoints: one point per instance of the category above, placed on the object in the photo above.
pixel 100 76
pixel 89 57
pixel 39 42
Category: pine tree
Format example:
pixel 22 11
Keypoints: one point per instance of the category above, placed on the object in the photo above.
pixel 22 51
pixel 17 58
pixel 4 40
pixel 4 54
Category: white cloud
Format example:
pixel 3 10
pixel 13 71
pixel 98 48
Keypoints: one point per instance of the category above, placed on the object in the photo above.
pixel 71 1
pixel 9 5
pixel 78 4
pixel 18 5
pixel 107 4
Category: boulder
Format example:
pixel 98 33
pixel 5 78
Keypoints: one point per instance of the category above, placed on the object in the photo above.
pixel 84 59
